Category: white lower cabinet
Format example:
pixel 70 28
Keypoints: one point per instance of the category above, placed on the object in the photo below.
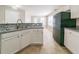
pixel 14 41
pixel 71 40
pixel 37 36
pixel 9 45
pixel 25 38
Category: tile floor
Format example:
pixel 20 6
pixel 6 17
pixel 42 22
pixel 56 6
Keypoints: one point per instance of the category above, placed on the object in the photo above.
pixel 49 46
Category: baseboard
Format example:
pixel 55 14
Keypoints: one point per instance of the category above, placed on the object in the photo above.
pixel 36 44
pixel 23 49
pixel 68 50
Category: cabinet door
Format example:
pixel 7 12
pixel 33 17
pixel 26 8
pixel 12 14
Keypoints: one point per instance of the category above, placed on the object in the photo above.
pixel 68 42
pixel 75 11
pixel 74 42
pixel 25 38
pixel 67 37
pixel 28 36
pixel 33 38
pixel 10 45
pixel 37 36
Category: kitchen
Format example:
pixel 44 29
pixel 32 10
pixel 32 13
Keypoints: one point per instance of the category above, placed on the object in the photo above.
pixel 29 29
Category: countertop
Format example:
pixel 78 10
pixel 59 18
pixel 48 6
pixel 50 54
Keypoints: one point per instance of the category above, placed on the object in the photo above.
pixel 74 29
pixel 13 30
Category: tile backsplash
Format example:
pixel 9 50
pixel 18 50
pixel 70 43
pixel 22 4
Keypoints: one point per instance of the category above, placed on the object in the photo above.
pixel 14 26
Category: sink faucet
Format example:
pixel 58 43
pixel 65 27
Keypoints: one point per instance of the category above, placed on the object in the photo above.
pixel 6 26
pixel 19 24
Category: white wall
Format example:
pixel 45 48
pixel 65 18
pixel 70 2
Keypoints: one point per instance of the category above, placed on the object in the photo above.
pixel 43 21
pixel 27 16
pixel 10 15
pixel 2 13
pixel 50 21
pixel 22 15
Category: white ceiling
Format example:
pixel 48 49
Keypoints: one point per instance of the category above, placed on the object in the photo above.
pixel 36 10
pixel 39 10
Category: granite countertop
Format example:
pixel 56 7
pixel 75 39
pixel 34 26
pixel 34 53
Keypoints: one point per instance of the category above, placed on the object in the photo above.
pixel 13 30
pixel 74 29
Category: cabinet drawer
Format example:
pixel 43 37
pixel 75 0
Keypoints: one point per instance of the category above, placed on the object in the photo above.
pixel 7 35
pixel 9 38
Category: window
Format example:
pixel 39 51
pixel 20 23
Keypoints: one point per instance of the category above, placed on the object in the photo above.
pixel 39 20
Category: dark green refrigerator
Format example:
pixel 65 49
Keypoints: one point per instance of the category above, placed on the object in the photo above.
pixel 62 20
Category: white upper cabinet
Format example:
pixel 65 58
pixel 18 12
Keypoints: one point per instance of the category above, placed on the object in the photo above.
pixel 74 11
